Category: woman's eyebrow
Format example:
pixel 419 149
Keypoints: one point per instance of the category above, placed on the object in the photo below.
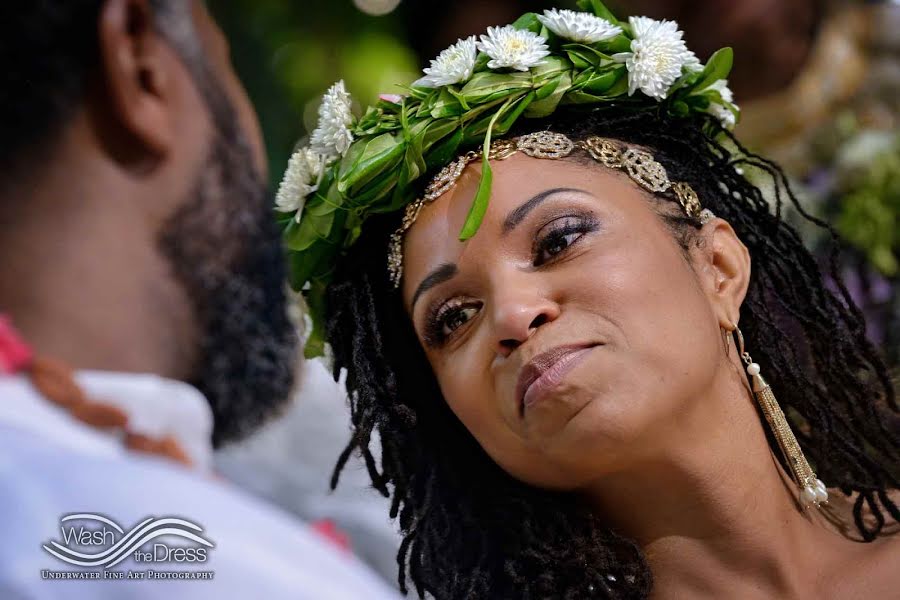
pixel 437 276
pixel 517 215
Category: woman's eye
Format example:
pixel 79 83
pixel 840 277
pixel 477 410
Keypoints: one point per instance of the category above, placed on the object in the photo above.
pixel 558 243
pixel 456 318
pixel 559 239
pixel 446 319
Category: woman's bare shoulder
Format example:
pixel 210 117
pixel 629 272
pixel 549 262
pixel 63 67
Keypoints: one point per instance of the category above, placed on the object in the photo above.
pixel 874 572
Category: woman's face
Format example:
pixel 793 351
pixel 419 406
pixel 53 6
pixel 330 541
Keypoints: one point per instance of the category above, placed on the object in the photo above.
pixel 570 335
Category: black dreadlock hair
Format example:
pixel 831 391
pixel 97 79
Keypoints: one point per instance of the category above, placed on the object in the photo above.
pixel 472 531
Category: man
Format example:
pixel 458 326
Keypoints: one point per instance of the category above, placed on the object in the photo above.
pixel 138 247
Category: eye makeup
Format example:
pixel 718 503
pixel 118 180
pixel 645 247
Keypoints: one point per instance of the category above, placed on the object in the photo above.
pixel 550 242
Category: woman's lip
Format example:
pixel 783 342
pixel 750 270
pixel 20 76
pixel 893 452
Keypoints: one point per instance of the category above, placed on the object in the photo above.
pixel 553 376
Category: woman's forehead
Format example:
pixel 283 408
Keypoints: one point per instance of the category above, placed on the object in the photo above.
pixel 434 238
pixel 515 179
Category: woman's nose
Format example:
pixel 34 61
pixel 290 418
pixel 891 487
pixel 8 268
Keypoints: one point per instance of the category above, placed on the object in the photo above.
pixel 518 314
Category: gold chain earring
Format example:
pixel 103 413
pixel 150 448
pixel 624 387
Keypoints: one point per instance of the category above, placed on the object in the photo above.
pixel 812 490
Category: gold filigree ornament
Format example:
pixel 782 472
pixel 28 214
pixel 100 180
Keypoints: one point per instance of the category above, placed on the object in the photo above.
pixel 638 164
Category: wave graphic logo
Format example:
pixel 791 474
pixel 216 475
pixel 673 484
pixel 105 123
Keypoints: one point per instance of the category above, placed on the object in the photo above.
pixel 118 544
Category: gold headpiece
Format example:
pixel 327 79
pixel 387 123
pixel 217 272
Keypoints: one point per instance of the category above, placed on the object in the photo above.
pixel 640 166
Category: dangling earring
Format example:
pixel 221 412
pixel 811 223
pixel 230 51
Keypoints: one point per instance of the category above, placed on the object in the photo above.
pixel 812 490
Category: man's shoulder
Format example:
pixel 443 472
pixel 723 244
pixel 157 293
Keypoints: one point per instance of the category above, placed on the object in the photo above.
pixel 256 546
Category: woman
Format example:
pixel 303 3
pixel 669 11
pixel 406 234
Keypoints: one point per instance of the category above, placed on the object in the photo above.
pixel 558 342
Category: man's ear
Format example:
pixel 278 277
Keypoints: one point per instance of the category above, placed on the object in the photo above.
pixel 724 270
pixel 139 71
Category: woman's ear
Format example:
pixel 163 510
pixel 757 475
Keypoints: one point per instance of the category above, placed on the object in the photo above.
pixel 722 263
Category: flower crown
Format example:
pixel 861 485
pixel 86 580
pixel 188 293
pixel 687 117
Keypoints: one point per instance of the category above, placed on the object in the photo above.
pixel 476 89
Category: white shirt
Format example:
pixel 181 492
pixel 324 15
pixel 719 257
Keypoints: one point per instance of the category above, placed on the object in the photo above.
pixel 52 465
pixel 290 460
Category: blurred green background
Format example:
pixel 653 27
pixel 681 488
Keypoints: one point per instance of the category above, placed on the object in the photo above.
pixel 288 52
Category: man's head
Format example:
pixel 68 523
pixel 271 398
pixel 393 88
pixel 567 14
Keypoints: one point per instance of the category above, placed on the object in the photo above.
pixel 135 105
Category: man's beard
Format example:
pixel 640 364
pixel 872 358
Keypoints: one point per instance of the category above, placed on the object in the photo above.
pixel 225 250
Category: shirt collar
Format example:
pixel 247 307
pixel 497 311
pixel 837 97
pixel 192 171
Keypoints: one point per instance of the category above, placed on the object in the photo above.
pixel 156 407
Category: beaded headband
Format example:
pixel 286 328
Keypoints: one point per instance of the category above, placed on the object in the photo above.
pixel 638 164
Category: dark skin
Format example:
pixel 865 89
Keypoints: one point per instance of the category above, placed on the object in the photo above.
pixel 82 274
pixel 655 425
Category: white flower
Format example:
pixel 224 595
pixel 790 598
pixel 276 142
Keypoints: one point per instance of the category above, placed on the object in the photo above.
pixel 332 136
pixel 657 55
pixel 453 65
pixel 720 111
pixel 518 49
pixel 692 63
pixel 299 181
pixel 723 114
pixel 578 26
pixel 721 86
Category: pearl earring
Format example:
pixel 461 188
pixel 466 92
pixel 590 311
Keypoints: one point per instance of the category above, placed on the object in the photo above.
pixel 812 490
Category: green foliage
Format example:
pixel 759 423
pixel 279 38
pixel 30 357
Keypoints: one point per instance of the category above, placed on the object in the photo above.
pixel 870 211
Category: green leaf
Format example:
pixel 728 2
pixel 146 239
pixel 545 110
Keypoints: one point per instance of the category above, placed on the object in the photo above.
pixel 446 105
pixel 597 7
pixel 600 83
pixel 620 87
pixel 618 91
pixel 685 82
pixel 680 109
pixel 318 209
pixel 620 43
pixel 549 70
pixel 419 92
pixel 718 67
pixel 300 266
pixel 302 235
pixel 701 103
pixel 375 190
pixel 528 21
pixel 315 343
pixel 408 172
pixel 545 106
pixel 578 60
pixel 322 222
pixel 586 55
pixel 513 113
pixel 483 86
pixel 283 219
pixel 479 204
pixel 481 61
pixel 369 119
pixel 547 89
pixel 414 152
pixel 459 97
pixel 475 122
pixel 438 130
pixel 424 108
pixel 367 159
pixel 444 152
pixel 389 105
pixel 315 304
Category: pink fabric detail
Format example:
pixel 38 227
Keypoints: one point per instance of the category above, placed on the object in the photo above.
pixel 328 530
pixel 15 354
